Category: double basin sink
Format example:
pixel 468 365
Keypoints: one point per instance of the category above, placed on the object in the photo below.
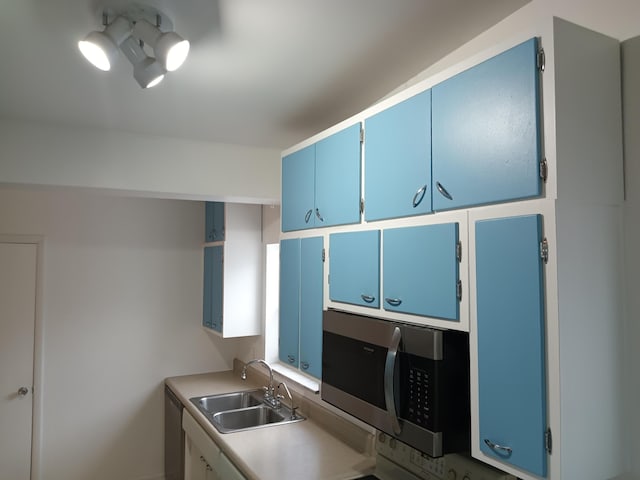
pixel 246 410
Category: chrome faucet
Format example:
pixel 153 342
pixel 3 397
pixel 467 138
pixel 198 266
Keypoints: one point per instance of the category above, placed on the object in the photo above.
pixel 293 408
pixel 269 395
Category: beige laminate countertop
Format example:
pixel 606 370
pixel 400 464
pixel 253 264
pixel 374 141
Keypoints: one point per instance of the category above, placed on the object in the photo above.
pixel 302 450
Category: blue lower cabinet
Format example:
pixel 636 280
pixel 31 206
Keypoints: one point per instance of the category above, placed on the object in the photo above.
pixel 354 268
pixel 511 348
pixel 421 271
pixel 301 292
pixel 212 312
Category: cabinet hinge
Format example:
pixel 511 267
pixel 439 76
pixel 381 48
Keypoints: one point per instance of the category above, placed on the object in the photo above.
pixel 544 169
pixel 361 134
pixel 548 441
pixel 544 250
pixel 323 255
pixel 541 60
pixel 361 206
pixel 459 290
pixel 459 252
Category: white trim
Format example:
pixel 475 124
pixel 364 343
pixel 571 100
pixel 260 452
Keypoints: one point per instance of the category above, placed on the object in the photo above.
pixel 38 351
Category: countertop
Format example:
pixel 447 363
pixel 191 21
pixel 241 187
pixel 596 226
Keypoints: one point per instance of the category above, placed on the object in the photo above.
pixel 294 451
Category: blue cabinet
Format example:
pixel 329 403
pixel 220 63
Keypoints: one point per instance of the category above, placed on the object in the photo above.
pixel 214 222
pixel 421 272
pixel 321 182
pixel 511 353
pixel 486 132
pixel 301 291
pixel 213 287
pixel 398 160
pixel 354 267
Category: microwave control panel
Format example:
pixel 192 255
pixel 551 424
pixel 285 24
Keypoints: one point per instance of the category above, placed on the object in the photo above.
pixel 418 399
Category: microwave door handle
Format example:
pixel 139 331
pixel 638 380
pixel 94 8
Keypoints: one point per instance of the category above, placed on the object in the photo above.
pixel 389 368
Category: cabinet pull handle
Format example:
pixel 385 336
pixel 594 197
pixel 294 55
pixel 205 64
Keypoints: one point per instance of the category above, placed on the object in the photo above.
pixel 367 298
pixel 499 449
pixel 443 191
pixel 304 365
pixel 307 216
pixel 319 216
pixel 291 358
pixel 417 198
pixel 201 458
pixel 394 302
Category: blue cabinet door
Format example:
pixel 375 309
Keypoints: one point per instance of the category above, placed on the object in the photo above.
pixel 337 177
pixel 212 308
pixel 421 273
pixel 214 222
pixel 289 325
pixel 207 293
pixel 511 365
pixel 298 189
pixel 354 268
pixel 311 281
pixel 486 132
pixel 398 160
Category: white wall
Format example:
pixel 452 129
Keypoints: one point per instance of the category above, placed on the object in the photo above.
pixel 121 310
pixel 42 154
pixel 631 112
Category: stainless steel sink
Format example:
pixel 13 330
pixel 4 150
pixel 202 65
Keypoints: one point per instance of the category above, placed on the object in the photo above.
pixel 228 401
pixel 238 411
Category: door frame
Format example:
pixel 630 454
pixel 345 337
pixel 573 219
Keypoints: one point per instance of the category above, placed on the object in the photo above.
pixel 38 344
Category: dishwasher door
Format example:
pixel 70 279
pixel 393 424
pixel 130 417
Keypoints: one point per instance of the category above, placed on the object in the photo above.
pixel 173 437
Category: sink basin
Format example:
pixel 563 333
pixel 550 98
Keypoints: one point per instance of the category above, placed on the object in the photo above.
pixel 228 401
pixel 238 411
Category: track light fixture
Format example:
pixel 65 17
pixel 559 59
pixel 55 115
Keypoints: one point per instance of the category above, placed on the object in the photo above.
pixel 130 31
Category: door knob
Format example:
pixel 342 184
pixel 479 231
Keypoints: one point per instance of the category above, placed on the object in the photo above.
pixel 22 391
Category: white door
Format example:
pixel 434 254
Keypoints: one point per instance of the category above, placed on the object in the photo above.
pixel 17 324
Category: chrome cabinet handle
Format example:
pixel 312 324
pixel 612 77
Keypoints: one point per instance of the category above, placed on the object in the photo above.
pixel 307 216
pixel 319 216
pixel 22 391
pixel 417 198
pixel 291 358
pixel 499 449
pixel 304 365
pixel 394 302
pixel 367 298
pixel 389 367
pixel 443 191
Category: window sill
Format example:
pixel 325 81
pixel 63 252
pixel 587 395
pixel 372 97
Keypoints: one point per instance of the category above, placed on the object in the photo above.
pixel 296 376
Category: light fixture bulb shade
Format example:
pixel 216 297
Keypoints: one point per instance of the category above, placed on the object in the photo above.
pixel 99 50
pixel 172 50
pixel 148 73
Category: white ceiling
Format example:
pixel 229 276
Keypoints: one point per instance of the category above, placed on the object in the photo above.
pixel 261 72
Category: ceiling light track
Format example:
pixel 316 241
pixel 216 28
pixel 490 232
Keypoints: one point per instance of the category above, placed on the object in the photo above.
pixel 129 31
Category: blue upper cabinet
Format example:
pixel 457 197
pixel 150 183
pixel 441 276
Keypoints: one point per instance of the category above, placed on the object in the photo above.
pixel 214 222
pixel 486 132
pixel 311 289
pixel 298 189
pixel 213 287
pixel 398 160
pixel 511 353
pixel 354 266
pixel 421 272
pixel 321 182
pixel 289 330
pixel 301 293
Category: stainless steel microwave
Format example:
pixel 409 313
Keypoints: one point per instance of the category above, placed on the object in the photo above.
pixel 408 381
